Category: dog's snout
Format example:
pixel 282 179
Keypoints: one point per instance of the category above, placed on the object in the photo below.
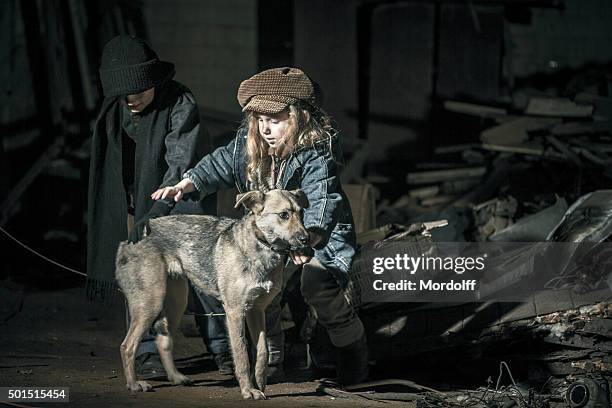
pixel 304 239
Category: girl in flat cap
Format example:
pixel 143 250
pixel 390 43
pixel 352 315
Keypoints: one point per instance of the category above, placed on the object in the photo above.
pixel 286 141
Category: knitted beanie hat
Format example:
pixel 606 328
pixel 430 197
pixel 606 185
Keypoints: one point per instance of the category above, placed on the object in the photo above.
pixel 272 90
pixel 129 67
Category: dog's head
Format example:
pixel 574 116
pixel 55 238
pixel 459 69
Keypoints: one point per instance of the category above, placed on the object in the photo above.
pixel 278 214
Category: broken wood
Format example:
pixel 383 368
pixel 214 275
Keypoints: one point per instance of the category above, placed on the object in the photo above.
pixel 435 176
pixel 437 200
pixel 459 186
pixel 473 109
pixel 424 192
pixel 516 131
pixel 560 107
pixel 532 148
pixel 565 150
pixel 597 159
pixel 581 128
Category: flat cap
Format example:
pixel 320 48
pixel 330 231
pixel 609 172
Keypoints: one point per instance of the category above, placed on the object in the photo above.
pixel 272 90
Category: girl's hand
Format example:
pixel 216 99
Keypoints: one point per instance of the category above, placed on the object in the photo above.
pixel 177 191
pixel 299 258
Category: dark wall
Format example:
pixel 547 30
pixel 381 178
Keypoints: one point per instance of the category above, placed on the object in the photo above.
pixel 400 76
pixel 274 33
pixel 325 35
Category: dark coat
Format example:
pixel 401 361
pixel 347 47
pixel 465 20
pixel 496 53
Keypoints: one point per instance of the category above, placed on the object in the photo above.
pixel 169 141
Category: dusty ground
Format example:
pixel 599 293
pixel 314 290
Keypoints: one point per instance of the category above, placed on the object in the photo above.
pixel 60 339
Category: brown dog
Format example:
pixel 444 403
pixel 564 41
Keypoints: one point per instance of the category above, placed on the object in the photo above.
pixel 238 261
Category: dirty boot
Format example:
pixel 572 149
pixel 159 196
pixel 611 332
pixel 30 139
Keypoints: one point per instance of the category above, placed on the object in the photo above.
pixel 149 367
pixel 225 363
pixel 352 365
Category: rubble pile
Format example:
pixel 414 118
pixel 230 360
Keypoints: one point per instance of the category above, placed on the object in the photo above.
pixel 539 175
pixel 555 148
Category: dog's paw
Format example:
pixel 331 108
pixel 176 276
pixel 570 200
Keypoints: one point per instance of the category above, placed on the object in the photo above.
pixel 253 393
pixel 140 386
pixel 181 379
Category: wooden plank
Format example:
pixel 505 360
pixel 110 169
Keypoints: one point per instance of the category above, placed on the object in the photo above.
pixel 517 131
pixel 435 176
pixel 459 186
pixel 424 192
pixel 560 107
pixel 581 128
pixel 565 150
pixel 437 200
pixel 595 158
pixel 532 148
pixel 474 109
pixel 448 187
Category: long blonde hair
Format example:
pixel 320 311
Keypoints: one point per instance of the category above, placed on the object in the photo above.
pixel 306 127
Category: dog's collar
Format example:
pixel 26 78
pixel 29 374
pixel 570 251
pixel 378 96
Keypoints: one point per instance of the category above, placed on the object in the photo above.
pixel 265 243
pixel 261 239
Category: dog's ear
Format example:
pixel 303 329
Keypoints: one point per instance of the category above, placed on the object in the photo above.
pixel 300 197
pixel 253 200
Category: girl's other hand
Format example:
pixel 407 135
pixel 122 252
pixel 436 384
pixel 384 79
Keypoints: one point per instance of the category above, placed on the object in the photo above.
pixel 168 192
pixel 299 258
pixel 177 191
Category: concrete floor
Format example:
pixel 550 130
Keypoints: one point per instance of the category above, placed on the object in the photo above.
pixel 60 339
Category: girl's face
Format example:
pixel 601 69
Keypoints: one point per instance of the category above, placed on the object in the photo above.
pixel 273 127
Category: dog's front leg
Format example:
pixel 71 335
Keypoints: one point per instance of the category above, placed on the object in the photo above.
pixel 237 334
pixel 256 322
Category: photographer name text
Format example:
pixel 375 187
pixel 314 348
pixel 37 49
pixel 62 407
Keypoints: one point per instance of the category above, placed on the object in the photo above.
pixel 410 266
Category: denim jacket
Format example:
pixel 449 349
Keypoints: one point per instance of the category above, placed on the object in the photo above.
pixel 314 171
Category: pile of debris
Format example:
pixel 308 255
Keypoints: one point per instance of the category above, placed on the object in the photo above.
pixel 558 345
pixel 554 147
pixel 537 176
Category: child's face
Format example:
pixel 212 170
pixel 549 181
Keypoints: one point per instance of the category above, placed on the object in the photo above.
pixel 136 103
pixel 273 127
